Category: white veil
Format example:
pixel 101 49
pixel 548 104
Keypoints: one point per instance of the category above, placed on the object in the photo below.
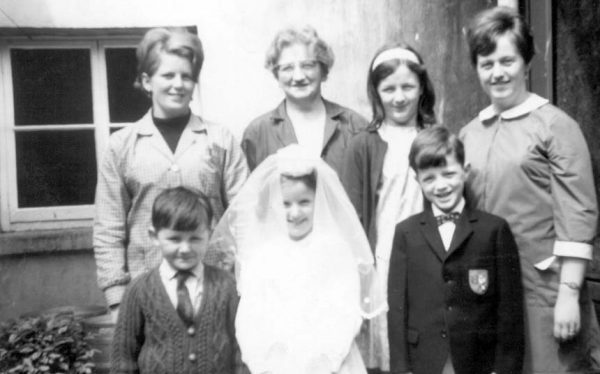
pixel 256 216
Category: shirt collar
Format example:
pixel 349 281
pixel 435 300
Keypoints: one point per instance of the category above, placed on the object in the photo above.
pixel 458 208
pixel 167 272
pixel 530 104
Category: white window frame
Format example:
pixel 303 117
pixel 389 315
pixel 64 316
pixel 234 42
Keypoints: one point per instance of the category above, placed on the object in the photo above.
pixel 13 218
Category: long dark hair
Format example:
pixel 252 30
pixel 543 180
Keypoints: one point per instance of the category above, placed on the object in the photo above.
pixel 425 113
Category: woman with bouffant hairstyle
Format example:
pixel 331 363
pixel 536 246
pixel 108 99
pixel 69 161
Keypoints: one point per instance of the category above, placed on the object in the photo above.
pixel 168 147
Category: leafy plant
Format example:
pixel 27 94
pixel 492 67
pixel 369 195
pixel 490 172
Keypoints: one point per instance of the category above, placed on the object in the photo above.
pixel 54 343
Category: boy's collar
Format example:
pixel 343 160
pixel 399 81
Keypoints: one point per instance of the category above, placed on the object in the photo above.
pixel 458 208
pixel 169 272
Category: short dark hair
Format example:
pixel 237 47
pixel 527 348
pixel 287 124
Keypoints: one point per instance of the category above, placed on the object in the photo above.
pixel 432 145
pixel 309 180
pixel 488 25
pixel 177 41
pixel 181 209
pixel 426 112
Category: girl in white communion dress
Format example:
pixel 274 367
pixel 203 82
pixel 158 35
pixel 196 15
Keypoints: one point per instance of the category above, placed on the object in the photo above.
pixel 303 265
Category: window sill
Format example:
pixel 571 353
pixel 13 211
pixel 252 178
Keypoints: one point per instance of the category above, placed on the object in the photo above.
pixel 43 241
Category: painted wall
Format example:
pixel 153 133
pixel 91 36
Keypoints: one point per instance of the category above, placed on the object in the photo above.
pixel 235 87
pixel 35 282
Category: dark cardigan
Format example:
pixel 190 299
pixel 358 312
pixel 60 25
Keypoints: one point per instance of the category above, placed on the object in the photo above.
pixel 361 177
pixel 150 338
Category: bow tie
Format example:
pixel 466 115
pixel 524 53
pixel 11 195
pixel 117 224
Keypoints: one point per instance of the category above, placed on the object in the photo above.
pixel 450 217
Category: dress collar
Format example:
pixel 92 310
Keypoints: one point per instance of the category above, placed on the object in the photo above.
pixel 530 104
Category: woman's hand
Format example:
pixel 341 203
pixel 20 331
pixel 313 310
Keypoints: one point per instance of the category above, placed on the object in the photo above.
pixel 567 318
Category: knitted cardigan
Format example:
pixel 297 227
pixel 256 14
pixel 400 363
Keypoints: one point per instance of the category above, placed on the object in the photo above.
pixel 151 338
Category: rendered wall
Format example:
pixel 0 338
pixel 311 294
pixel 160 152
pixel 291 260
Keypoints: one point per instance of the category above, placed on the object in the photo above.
pixel 235 87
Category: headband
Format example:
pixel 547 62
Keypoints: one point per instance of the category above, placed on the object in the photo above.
pixel 393 54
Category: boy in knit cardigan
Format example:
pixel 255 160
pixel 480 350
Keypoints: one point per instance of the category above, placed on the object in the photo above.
pixel 179 317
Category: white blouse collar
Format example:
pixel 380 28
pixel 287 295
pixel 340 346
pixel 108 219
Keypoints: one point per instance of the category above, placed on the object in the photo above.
pixel 529 105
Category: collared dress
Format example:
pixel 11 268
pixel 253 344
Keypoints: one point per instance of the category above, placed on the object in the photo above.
pixel 135 168
pixel 531 166
pixel 274 130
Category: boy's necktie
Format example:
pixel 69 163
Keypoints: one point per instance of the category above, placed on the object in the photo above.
pixel 184 303
pixel 450 217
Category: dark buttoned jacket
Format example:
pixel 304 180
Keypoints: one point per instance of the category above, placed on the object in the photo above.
pixel 466 302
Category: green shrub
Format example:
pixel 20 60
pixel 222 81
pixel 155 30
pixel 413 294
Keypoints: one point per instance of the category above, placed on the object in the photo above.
pixel 53 343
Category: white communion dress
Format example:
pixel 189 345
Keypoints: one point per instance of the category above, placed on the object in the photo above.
pixel 302 302
pixel 295 314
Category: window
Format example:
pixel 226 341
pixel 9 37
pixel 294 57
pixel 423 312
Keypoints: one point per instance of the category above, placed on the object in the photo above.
pixel 60 101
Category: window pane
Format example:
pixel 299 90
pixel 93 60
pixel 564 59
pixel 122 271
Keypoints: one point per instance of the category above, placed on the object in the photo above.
pixel 55 168
pixel 126 104
pixel 52 86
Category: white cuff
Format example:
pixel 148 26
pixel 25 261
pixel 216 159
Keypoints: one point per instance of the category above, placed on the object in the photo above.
pixel 572 249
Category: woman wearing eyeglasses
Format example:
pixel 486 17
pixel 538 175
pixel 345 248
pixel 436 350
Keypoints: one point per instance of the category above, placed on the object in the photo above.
pixel 300 62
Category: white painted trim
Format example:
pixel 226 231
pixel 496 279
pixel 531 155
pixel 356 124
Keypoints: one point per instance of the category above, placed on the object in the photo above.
pixel 4 137
pixel 70 127
pixel 62 213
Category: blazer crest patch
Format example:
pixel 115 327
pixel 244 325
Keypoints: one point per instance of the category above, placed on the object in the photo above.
pixel 478 280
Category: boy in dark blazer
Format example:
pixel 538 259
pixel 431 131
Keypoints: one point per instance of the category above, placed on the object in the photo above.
pixel 454 286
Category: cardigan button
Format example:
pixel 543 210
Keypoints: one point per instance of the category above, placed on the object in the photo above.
pixel 191 331
pixel 444 334
pixel 192 357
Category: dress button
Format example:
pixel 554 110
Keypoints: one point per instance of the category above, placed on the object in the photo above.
pixel 192 357
pixel 449 308
pixel 191 331
pixel 174 167
pixel 444 335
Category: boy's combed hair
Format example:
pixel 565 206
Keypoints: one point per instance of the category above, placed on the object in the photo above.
pixel 181 209
pixel 432 145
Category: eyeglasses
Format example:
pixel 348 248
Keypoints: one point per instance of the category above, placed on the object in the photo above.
pixel 306 66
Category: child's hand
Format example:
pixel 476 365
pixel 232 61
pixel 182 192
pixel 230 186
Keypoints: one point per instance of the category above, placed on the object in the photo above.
pixel 567 320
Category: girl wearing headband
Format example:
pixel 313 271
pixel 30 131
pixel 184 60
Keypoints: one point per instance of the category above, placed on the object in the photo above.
pixel 376 174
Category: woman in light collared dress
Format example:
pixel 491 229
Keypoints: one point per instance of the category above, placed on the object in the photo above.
pixel 168 147
pixel 530 165
pixel 380 183
pixel 301 61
